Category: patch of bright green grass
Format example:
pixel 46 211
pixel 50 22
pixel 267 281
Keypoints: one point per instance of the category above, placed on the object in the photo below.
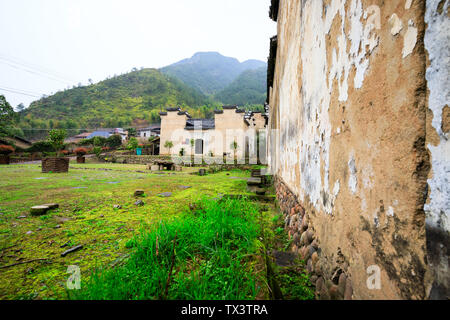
pixel 205 254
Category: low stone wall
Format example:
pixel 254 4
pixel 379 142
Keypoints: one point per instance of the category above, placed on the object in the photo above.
pixel 335 285
pixel 134 159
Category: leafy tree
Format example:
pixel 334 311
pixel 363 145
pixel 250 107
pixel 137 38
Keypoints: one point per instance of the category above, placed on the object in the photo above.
pixel 20 107
pixel 6 115
pixel 56 138
pixel 168 145
pixel 99 141
pixel 114 141
pixel 132 144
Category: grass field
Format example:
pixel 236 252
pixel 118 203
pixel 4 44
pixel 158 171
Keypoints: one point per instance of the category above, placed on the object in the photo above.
pixel 86 195
pixel 190 245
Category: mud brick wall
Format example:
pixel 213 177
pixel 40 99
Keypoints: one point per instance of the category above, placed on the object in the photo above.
pixel 359 108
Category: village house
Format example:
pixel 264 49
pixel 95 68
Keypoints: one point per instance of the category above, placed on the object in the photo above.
pixel 151 131
pixel 211 137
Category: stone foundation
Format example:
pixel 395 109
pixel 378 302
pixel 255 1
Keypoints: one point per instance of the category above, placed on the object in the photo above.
pixel 334 285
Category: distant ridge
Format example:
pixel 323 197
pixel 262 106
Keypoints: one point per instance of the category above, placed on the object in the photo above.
pixel 210 72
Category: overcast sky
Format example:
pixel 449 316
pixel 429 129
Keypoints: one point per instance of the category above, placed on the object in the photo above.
pixel 48 45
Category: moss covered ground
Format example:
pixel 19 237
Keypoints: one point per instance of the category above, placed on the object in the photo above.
pixel 86 216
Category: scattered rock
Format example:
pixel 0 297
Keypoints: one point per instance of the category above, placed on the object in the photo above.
pixel 184 187
pixel 284 259
pixel 319 284
pixel 139 193
pixel 117 206
pixel 57 226
pixel 309 266
pixel 296 238
pixel 76 248
pixel 260 191
pixel 165 194
pixel 39 210
pixel 314 258
pixel 21 217
pixel 334 292
pixel 30 232
pixel 51 206
pixel 139 203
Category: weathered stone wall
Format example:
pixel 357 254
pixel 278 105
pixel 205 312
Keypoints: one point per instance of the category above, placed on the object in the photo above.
pixel 349 101
pixel 437 207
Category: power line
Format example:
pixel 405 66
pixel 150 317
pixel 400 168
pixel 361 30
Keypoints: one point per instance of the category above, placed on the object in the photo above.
pixel 21 90
pixel 20 93
pixel 36 73
pixel 35 67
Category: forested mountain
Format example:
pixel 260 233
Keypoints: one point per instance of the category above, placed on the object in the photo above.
pixel 248 88
pixel 115 102
pixel 198 85
pixel 210 72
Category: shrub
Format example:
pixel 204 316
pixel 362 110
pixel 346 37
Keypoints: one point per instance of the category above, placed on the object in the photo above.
pixel 97 151
pixel 114 141
pixel 99 141
pixel 5 149
pixel 132 144
pixel 86 142
pixel 41 146
pixel 80 151
pixel 56 138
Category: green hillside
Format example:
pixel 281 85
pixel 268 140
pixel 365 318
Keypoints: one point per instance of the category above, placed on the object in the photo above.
pixel 248 88
pixel 115 102
pixel 210 72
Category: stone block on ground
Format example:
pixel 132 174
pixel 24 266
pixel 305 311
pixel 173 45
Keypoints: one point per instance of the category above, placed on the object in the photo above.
pixel 139 203
pixel 260 191
pixel 139 193
pixel 165 194
pixel 154 167
pixel 51 206
pixel 39 210
pixel 254 181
